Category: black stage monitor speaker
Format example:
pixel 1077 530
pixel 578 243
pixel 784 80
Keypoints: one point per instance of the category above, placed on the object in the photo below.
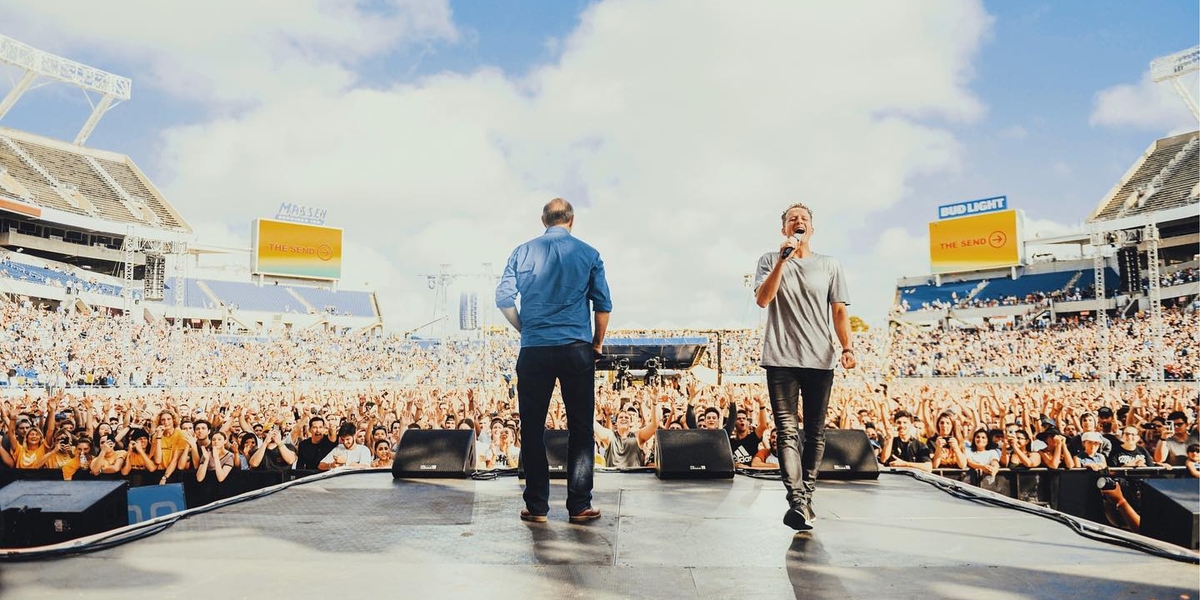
pixel 37 513
pixel 435 453
pixel 556 454
pixel 693 454
pixel 1171 511
pixel 848 455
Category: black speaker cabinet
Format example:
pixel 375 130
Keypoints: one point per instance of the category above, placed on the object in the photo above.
pixel 693 454
pixel 848 455
pixel 435 453
pixel 1171 511
pixel 556 454
pixel 37 513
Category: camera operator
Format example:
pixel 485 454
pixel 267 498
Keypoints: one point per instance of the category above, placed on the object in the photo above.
pixel 623 379
pixel 652 377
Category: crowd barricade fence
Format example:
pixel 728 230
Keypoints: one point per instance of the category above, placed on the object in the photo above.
pixel 1074 491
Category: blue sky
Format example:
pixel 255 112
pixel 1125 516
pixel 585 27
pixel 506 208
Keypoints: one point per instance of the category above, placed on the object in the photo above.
pixel 433 131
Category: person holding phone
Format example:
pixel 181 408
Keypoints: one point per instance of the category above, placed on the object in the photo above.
pixel 1172 449
pixel 560 281
pixel 347 453
pixel 109 460
pixel 274 453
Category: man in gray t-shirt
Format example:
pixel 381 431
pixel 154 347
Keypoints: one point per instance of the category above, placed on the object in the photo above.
pixel 805 297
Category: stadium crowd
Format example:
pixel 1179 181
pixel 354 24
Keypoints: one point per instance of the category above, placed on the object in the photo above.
pixel 106 394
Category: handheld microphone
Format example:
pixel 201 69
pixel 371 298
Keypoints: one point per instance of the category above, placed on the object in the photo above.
pixel 798 235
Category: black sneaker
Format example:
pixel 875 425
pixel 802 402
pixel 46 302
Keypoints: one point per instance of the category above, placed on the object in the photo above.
pixel 807 511
pixel 795 519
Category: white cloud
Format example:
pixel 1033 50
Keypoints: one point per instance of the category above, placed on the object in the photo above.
pixel 1015 132
pixel 896 253
pixel 228 51
pixel 679 129
pixel 1045 228
pixel 1145 105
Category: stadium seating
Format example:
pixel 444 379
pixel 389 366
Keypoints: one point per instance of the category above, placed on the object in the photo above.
pixel 43 191
pixel 59 278
pixel 193 296
pixel 247 296
pixel 947 293
pixel 1176 188
pixel 1112 281
pixel 1045 283
pixel 92 181
pixel 126 176
pixel 72 169
pixel 357 304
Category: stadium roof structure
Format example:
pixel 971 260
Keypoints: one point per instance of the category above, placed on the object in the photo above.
pixel 82 187
pixel 1165 178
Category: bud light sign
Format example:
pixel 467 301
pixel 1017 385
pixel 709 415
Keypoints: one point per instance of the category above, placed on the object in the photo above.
pixel 972 207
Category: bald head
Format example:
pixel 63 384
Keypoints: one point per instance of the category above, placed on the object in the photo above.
pixel 558 212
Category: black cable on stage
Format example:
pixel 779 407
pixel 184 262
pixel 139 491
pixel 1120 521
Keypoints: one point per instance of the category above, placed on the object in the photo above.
pixel 1087 529
pixel 625 470
pixel 768 474
pixel 488 475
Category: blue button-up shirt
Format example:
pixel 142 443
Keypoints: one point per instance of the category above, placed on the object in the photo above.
pixel 555 275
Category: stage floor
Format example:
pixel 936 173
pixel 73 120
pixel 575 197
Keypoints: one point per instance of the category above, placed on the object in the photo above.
pixel 367 534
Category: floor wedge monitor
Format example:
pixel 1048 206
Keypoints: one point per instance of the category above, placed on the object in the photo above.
pixel 556 454
pixel 37 513
pixel 435 453
pixel 693 454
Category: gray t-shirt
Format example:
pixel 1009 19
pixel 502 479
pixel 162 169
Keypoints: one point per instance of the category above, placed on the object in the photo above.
pixel 624 452
pixel 800 321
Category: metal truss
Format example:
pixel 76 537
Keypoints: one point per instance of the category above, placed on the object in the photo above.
pixel 112 88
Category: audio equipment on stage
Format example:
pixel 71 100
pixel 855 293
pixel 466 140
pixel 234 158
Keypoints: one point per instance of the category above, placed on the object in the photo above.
pixel 37 513
pixel 1171 511
pixel 435 453
pixel 693 454
pixel 556 454
pixel 848 455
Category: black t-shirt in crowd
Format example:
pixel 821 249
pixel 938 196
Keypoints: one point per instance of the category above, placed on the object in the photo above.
pixel 911 451
pixel 1120 457
pixel 273 460
pixel 309 455
pixel 745 448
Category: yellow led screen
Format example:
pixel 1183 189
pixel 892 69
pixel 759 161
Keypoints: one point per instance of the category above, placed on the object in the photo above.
pixel 985 241
pixel 296 250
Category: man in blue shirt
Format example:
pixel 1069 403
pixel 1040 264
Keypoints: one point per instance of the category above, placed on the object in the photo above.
pixel 556 276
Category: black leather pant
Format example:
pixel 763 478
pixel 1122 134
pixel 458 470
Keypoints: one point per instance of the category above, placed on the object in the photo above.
pixel 786 386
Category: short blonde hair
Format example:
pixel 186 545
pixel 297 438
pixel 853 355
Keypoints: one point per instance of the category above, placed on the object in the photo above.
pixel 783 217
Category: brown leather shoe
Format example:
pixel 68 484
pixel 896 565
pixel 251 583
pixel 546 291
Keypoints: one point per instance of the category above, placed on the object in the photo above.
pixel 583 516
pixel 531 517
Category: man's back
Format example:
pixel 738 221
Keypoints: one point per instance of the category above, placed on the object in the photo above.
pixel 556 276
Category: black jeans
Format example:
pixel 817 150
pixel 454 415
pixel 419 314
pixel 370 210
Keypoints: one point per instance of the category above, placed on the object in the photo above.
pixel 786 385
pixel 574 367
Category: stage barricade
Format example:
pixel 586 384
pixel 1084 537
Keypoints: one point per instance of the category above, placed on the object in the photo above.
pixel 195 493
pixel 1074 492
